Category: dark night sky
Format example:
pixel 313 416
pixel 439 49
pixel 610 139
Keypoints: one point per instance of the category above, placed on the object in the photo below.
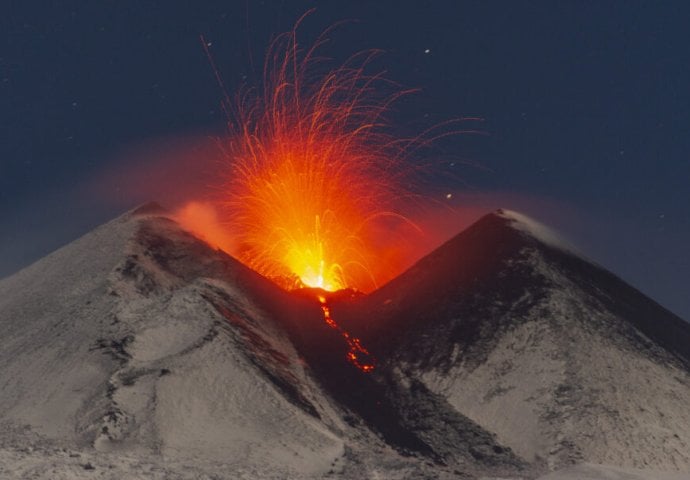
pixel 586 106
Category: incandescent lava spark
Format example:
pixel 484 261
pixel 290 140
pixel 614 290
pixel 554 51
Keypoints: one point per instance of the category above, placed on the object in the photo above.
pixel 313 179
pixel 311 171
pixel 357 355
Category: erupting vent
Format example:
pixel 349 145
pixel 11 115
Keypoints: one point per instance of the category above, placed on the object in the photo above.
pixel 313 182
pixel 311 176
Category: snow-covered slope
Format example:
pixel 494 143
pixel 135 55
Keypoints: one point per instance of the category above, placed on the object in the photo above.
pixel 588 471
pixel 139 352
pixel 561 359
pixel 140 347
pixel 117 342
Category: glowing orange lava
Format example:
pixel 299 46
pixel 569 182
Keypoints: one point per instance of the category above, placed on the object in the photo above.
pixel 312 179
pixel 357 354
pixel 310 171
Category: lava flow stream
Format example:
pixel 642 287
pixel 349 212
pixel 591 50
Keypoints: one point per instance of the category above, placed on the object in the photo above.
pixel 357 355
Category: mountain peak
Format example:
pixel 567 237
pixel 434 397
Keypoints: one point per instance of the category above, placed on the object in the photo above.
pixel 511 260
pixel 149 208
pixel 557 356
pixel 499 352
pixel 480 250
pixel 534 228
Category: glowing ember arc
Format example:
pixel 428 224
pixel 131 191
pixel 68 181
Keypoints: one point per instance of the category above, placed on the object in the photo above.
pixel 311 171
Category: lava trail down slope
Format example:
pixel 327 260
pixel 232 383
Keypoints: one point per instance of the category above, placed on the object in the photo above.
pixel 140 352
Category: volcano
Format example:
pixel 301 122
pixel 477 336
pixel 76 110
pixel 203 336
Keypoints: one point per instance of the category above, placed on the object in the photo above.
pixel 138 351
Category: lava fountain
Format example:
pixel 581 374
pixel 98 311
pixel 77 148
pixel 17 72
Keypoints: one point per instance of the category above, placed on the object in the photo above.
pixel 311 171
pixel 312 176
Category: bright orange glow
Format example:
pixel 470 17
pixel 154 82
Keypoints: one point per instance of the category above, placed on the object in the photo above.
pixel 201 220
pixel 312 181
pixel 310 172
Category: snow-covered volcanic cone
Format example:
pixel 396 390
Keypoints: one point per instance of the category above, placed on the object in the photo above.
pixel 139 352
pixel 561 359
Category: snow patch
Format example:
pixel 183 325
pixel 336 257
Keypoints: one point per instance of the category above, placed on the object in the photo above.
pixel 587 471
pixel 532 227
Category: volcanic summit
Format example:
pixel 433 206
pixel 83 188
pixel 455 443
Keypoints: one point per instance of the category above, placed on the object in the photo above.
pixel 138 351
